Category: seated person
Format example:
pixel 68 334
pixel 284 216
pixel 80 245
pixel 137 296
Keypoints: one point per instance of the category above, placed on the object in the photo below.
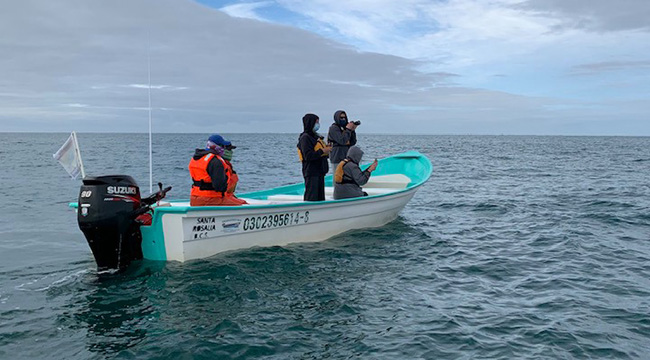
pixel 214 179
pixel 348 177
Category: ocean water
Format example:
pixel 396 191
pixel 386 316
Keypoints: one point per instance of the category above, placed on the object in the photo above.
pixel 518 247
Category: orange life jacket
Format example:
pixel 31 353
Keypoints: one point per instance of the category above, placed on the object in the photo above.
pixel 202 185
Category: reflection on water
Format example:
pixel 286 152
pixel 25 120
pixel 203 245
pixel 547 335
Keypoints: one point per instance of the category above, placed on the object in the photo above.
pixel 116 308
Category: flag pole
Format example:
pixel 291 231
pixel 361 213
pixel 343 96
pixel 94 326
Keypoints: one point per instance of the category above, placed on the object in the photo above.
pixel 76 148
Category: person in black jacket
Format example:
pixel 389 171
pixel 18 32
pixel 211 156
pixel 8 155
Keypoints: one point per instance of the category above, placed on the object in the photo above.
pixel 313 153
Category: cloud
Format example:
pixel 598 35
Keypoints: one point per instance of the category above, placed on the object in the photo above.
pixel 469 35
pixel 155 87
pixel 595 15
pixel 418 28
pixel 82 65
pixel 608 66
pixel 245 10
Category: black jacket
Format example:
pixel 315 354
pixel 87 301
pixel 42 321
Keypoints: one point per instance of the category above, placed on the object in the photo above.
pixel 314 162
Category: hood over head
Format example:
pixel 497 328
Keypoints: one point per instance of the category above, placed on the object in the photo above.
pixel 308 122
pixel 355 154
pixel 337 118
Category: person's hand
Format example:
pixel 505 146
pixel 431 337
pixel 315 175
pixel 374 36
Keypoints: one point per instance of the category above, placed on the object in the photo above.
pixel 351 126
pixel 372 166
pixel 327 149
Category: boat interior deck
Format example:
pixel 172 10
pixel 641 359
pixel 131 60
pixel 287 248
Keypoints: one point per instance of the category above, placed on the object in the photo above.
pixel 377 185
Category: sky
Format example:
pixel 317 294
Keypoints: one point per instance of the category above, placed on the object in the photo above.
pixel 503 67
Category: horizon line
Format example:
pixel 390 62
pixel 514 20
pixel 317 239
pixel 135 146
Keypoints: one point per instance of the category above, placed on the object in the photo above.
pixel 290 133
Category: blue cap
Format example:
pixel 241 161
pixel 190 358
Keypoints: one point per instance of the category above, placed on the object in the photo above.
pixel 219 140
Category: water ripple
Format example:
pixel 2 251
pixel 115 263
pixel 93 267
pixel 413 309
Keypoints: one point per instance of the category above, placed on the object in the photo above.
pixel 517 248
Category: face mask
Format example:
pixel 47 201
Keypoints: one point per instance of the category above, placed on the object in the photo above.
pixel 227 155
pixel 316 126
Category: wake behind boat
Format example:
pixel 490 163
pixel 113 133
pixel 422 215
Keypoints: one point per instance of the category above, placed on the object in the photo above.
pixel 177 231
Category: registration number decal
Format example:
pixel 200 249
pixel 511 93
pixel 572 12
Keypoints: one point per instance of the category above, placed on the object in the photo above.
pixel 275 220
pixel 211 226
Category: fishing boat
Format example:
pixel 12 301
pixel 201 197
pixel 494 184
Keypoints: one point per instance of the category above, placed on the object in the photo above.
pixel 175 231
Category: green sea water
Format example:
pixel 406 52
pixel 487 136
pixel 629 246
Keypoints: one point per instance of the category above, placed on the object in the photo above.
pixel 518 247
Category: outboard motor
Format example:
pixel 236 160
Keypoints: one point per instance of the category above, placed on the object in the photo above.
pixel 105 216
pixel 107 212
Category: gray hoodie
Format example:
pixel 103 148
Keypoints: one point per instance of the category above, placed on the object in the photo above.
pixel 341 138
pixel 353 177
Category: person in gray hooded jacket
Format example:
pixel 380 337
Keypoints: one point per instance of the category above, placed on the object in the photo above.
pixel 348 177
pixel 342 134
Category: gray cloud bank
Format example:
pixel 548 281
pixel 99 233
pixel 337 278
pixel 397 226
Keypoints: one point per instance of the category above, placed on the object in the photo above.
pixel 597 15
pixel 598 68
pixel 82 65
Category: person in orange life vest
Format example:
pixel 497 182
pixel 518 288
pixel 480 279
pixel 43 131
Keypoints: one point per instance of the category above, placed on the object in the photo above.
pixel 313 153
pixel 214 179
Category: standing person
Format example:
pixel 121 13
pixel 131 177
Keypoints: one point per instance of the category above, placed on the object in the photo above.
pixel 214 179
pixel 348 177
pixel 341 135
pixel 313 153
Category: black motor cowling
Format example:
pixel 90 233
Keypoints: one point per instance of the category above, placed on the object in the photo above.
pixel 106 215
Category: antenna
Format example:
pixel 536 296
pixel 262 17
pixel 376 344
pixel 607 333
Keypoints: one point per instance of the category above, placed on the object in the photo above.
pixel 150 148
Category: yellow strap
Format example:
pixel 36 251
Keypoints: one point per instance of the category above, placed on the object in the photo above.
pixel 338 174
pixel 320 145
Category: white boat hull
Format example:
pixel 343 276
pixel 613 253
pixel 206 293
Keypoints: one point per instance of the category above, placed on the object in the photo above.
pixel 202 233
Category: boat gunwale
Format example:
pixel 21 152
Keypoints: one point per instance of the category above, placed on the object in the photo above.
pixel 186 209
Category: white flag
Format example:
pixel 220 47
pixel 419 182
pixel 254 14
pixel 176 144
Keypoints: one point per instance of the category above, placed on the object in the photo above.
pixel 70 157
